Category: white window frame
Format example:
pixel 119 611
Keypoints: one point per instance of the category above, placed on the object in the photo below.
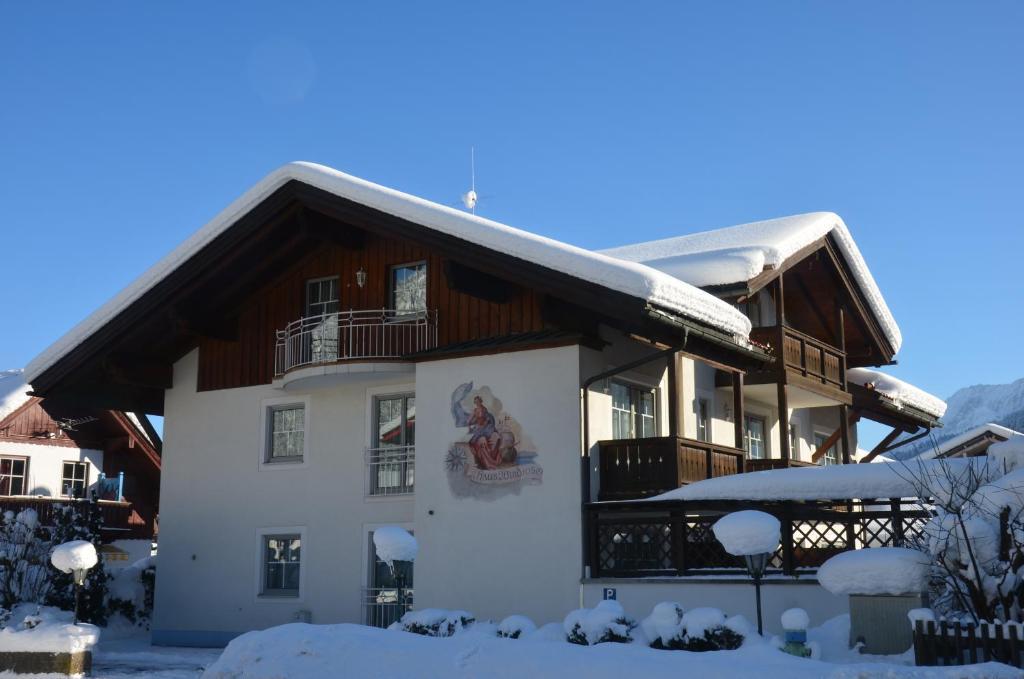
pixel 639 385
pixel 391 287
pixel 765 433
pixel 372 394
pixel 837 446
pixel 262 534
pixel 708 417
pixel 266 406
pixel 24 476
pixel 794 440
pixel 305 292
pixel 85 478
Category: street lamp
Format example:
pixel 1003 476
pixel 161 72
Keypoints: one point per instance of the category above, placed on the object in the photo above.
pixel 75 558
pixel 756 564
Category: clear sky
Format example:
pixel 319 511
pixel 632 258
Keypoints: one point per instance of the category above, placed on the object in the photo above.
pixel 125 126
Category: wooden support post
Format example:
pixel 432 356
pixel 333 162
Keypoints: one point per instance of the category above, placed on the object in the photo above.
pixel 844 436
pixel 784 451
pixel 675 395
pixel 737 409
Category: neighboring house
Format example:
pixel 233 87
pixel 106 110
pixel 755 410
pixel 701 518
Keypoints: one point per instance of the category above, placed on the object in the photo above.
pixel 973 442
pixel 331 356
pixel 53 454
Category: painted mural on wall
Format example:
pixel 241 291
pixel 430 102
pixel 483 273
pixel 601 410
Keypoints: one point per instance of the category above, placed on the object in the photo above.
pixel 493 456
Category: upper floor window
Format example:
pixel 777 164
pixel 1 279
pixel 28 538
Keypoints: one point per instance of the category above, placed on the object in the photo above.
pixel 282 563
pixel 408 288
pixel 703 423
pixel 392 458
pixel 286 433
pixel 755 441
pixel 12 475
pixel 831 455
pixel 321 297
pixel 74 478
pixel 751 308
pixel 633 411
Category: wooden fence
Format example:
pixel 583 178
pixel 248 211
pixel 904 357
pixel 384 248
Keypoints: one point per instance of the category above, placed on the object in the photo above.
pixel 948 643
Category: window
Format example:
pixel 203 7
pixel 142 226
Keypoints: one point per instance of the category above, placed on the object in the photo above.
pixel 391 458
pixel 633 411
pixel 754 439
pixel 321 297
pixel 831 455
pixel 286 433
pixel 74 479
pixel 408 287
pixel 12 475
pixel 703 430
pixel 282 563
pixel 382 598
pixel 751 308
pixel 794 441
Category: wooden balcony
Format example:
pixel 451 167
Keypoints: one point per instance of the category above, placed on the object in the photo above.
pixel 804 356
pixel 636 468
pixel 118 517
pixel 760 465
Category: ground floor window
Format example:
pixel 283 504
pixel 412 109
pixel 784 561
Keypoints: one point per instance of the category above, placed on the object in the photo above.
pixel 754 427
pixel 12 475
pixel 389 592
pixel 282 564
pixel 74 479
pixel 831 455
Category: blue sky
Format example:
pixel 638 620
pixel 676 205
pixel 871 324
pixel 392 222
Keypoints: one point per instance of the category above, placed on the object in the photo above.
pixel 126 126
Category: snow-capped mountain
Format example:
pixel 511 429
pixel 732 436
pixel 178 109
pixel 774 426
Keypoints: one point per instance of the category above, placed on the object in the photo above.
pixel 972 406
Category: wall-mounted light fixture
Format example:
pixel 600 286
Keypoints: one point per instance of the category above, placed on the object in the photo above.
pixel 361 277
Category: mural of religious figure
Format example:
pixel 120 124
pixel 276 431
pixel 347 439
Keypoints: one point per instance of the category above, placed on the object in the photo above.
pixel 492 453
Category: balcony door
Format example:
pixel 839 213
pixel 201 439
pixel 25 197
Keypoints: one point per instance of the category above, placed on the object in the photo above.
pixel 633 411
pixel 392 457
pixel 383 602
pixel 756 443
pixel 321 316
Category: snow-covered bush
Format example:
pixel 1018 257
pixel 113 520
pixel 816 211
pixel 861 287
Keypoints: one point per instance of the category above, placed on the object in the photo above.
pixel 24 547
pixel 976 539
pixel 435 622
pixel 606 622
pixel 700 629
pixel 516 627
pixel 79 521
pixel 130 592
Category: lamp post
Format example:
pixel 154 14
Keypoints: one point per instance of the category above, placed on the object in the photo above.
pixel 79 576
pixel 75 558
pixel 756 564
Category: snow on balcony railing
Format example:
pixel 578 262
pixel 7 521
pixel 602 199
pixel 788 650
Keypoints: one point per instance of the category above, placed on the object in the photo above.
pixel 353 334
pixel 390 470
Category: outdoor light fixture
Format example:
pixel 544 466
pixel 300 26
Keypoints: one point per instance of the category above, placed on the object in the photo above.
pixel 361 277
pixel 756 563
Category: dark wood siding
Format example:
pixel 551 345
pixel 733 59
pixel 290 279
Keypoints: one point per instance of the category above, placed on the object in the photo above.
pixel 461 317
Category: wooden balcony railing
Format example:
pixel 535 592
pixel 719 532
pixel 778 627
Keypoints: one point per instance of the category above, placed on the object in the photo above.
pixel 763 464
pixel 117 516
pixel 802 354
pixel 636 468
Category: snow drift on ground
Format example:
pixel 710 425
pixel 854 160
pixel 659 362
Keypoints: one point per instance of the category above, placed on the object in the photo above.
pixel 633 279
pixel 74 555
pixel 738 253
pixel 394 543
pixel 899 392
pixel 830 482
pixel 876 570
pixel 301 651
pixel 43 628
pixel 748 532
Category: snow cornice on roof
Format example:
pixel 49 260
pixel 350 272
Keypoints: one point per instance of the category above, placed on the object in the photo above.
pixel 737 254
pixel 901 394
pixel 659 289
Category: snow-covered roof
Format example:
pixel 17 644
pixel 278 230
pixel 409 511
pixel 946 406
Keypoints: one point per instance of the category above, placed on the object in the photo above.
pixel 736 254
pixel 828 482
pixel 900 393
pixel 631 278
pixel 969 435
pixel 13 391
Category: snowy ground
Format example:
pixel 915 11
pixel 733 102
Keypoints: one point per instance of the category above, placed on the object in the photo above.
pixel 135 657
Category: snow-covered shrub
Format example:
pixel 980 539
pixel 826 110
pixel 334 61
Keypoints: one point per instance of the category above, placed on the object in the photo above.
pixel 516 627
pixel 130 592
pixel 79 521
pixel 701 629
pixel 606 622
pixel 436 622
pixel 24 569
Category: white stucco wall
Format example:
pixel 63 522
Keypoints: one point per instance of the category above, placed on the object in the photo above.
pixel 216 498
pixel 507 551
pixel 45 465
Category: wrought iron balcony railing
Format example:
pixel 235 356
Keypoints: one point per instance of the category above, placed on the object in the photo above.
pixel 353 335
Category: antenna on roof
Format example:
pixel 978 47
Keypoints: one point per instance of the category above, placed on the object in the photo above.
pixel 469 197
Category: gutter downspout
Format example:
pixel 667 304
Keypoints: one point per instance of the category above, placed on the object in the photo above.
pixel 585 456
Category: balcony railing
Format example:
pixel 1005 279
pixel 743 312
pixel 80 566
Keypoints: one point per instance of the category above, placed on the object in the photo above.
pixel 763 464
pixel 805 355
pixel 645 539
pixel 117 515
pixel 381 606
pixel 348 335
pixel 390 470
pixel 635 468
